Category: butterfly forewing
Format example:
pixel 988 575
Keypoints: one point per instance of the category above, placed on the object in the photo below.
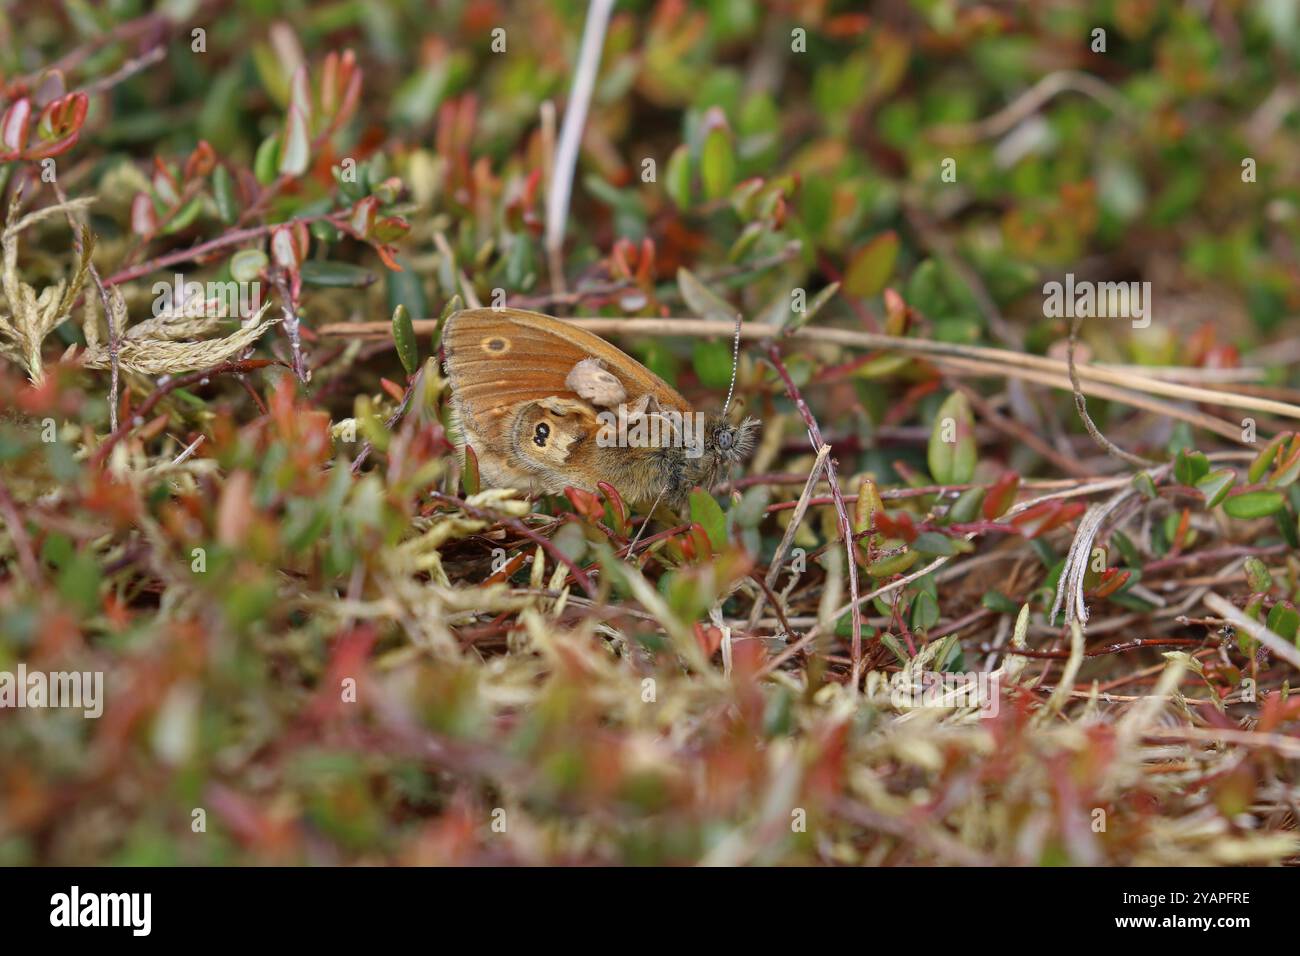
pixel 497 359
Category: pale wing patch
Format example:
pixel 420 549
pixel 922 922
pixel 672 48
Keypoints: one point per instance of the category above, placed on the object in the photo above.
pixel 593 382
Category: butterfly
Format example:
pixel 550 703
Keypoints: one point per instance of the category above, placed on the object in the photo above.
pixel 546 405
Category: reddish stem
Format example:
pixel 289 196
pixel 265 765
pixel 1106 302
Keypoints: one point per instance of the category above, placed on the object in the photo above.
pixel 841 511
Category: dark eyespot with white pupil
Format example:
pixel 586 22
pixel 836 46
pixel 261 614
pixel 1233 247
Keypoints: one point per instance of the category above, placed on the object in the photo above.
pixel 540 434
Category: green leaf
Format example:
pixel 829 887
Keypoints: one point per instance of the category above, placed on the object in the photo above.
pixel 1261 582
pixel 925 612
pixel 1284 621
pixel 717 164
pixel 1190 466
pixel 1253 504
pixel 1288 466
pixel 1126 547
pixel 325 232
pixel 1289 526
pixel 995 600
pixel 893 565
pixel 752 508
pixel 707 513
pixel 871 266
pixel 266 160
pixel 1265 458
pixel 931 542
pixel 185 217
pixel 1179 438
pixel 1145 486
pixel 417 99
pixel 952 453
pixel 702 300
pixel 247 264
pixel 677 177
pixel 1216 485
pixel 340 275
pixel 295 156
pixel 220 120
pixel 966 507
pixel 712 361
pixel 795 320
pixel 223 192
pixel 892 643
pixel 404 336
pixel 78 582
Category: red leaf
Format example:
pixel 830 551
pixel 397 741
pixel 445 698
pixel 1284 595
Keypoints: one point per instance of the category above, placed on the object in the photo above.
pixel 1041 519
pixel 201 162
pixel 1001 495
pixel 585 503
pixel 622 521
pixel 1112 579
pixel 393 389
pixel 387 256
pixel 709 638
pixel 897 527
pixel 235 509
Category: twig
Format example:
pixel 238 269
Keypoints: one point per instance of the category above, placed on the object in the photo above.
pixel 71 60
pixel 289 306
pixel 1270 639
pixel 166 388
pixel 575 119
pixel 1028 103
pixel 787 539
pixel 393 419
pixel 1110 393
pixel 1081 404
pixel 766 590
pixel 518 527
pixel 1284 745
pixel 18 533
pixel 791 250
pixel 841 512
pixel 232 238
pixel 126 70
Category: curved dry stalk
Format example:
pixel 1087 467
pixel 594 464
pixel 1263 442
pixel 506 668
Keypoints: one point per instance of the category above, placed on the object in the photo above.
pixel 841 511
pixel 787 539
pixel 1081 405
pixel 575 120
pixel 1030 102
pixel 1110 393
pixel 1048 371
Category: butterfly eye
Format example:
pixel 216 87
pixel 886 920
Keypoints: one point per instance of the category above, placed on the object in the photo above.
pixel 540 434
pixel 724 440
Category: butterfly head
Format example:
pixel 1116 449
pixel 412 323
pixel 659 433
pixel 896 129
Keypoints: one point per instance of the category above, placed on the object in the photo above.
pixel 730 442
pixel 726 444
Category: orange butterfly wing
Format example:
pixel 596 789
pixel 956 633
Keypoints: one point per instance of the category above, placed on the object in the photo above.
pixel 497 359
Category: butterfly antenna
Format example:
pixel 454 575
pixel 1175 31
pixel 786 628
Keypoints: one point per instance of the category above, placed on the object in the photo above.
pixel 644 524
pixel 735 365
